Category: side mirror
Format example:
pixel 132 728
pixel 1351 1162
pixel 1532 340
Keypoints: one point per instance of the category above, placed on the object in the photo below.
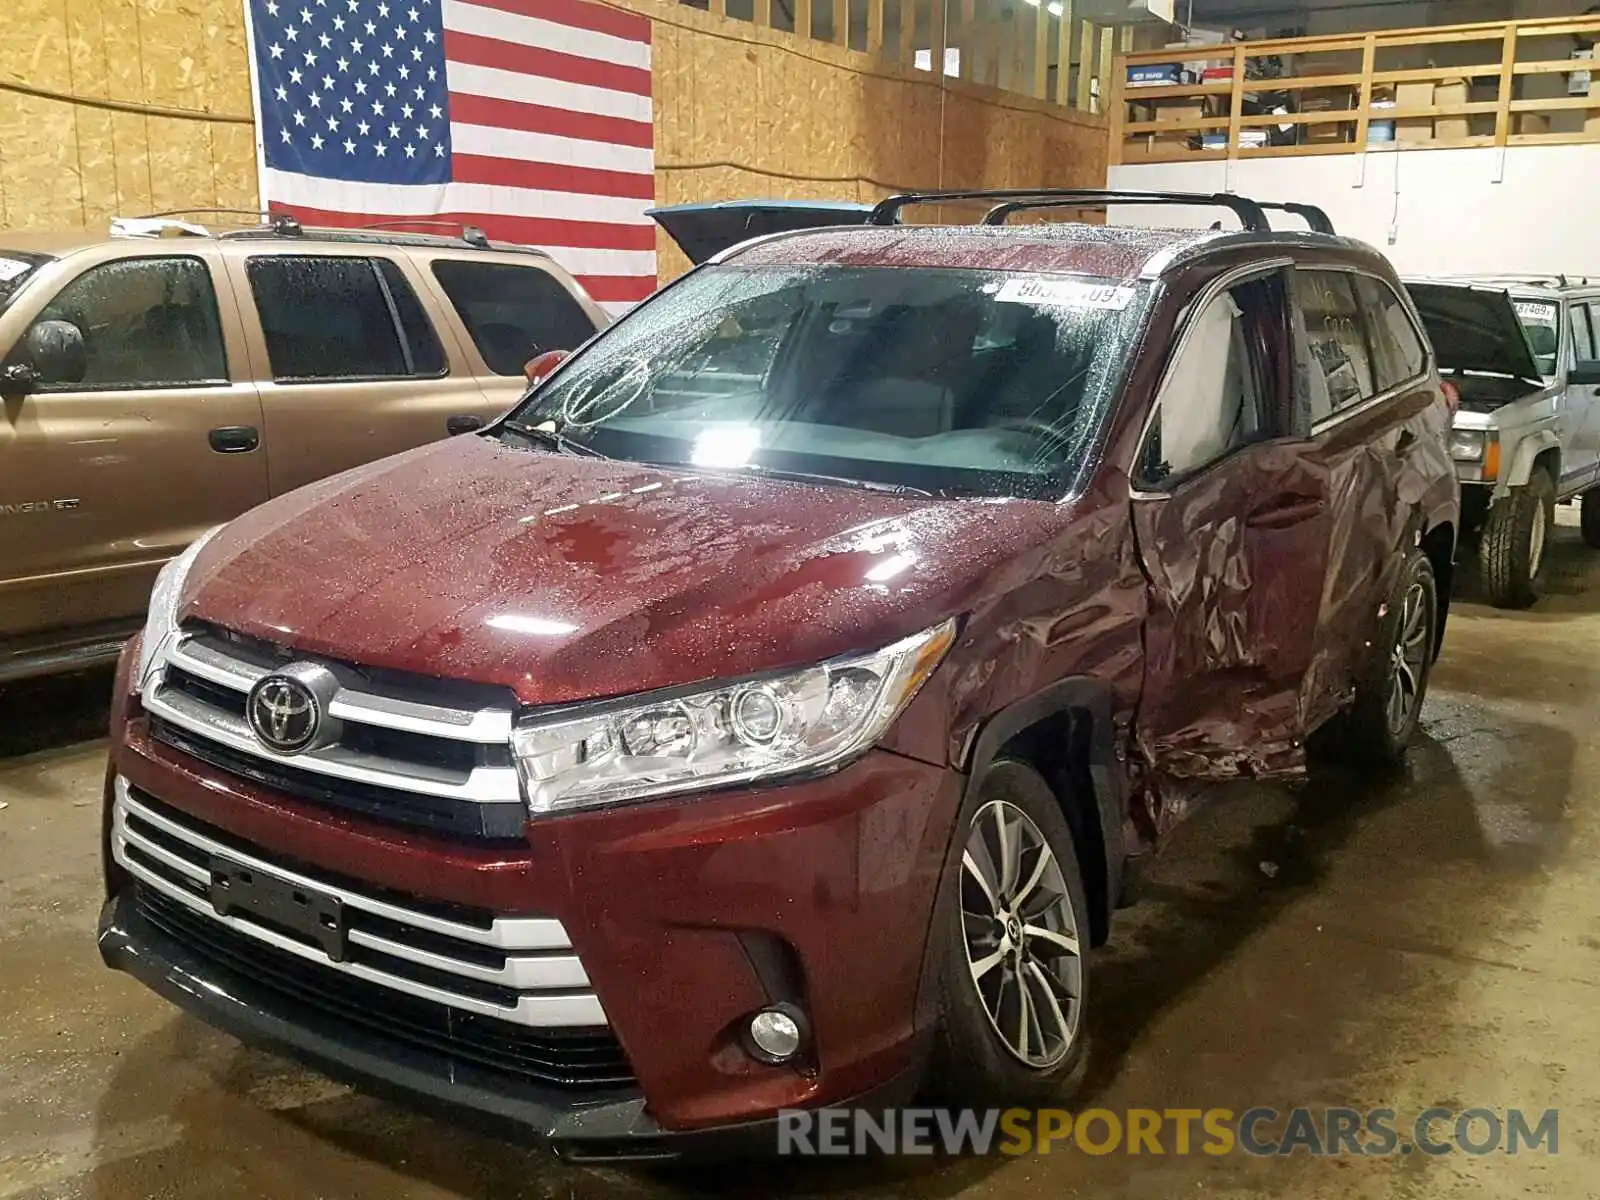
pixel 539 367
pixel 1586 371
pixel 50 352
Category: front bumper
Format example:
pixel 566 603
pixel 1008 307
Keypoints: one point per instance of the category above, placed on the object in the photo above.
pixel 679 912
pixel 578 1128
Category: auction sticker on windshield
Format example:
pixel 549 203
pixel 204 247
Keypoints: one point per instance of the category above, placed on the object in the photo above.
pixel 1065 293
pixel 1533 310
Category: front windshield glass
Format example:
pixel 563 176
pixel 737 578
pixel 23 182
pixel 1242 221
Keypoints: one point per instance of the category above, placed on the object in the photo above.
pixel 1541 320
pixel 16 267
pixel 956 382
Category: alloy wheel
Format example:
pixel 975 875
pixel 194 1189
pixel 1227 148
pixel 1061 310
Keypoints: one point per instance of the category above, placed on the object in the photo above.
pixel 1408 661
pixel 1021 936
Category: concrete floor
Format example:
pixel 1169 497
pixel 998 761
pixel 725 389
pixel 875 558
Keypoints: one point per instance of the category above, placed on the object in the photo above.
pixel 1433 939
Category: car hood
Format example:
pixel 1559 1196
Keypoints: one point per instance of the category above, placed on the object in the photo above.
pixel 1474 329
pixel 568 578
pixel 705 230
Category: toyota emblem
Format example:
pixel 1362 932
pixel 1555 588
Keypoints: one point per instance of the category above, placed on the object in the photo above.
pixel 284 713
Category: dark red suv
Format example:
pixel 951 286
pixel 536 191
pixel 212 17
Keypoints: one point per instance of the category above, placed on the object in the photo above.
pixel 766 712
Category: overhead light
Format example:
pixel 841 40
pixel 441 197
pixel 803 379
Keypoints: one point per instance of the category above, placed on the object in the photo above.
pixel 1055 10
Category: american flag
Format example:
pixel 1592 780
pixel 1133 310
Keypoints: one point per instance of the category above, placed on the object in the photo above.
pixel 527 118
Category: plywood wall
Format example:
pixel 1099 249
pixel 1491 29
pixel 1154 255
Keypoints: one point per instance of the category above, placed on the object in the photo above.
pixel 739 111
pixel 64 164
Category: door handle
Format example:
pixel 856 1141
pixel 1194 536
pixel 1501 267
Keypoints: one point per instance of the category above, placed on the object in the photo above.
pixel 462 423
pixel 235 439
pixel 1285 513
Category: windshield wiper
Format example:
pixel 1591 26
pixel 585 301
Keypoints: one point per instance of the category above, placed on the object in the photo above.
pixel 866 485
pixel 547 435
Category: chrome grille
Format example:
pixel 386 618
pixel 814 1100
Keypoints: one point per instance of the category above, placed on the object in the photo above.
pixel 518 969
pixel 411 751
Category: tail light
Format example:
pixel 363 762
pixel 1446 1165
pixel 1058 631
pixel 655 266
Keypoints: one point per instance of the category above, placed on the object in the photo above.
pixel 1452 396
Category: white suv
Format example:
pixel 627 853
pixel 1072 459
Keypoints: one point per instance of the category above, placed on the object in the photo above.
pixel 1522 353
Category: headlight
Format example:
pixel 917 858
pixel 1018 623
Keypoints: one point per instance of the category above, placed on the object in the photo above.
pixel 1466 445
pixel 809 720
pixel 160 624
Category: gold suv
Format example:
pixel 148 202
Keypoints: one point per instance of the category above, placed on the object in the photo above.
pixel 162 380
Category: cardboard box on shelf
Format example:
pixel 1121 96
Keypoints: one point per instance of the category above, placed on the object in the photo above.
pixel 1327 99
pixel 1158 144
pixel 1183 112
pixel 1413 129
pixel 1532 123
pixel 1446 128
pixel 1413 95
pixel 1326 133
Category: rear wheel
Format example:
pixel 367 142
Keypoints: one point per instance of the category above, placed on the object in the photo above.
pixel 1591 518
pixel 1011 935
pixel 1511 549
pixel 1388 705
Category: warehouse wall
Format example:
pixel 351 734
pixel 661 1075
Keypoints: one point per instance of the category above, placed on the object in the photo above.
pixel 813 120
pixel 70 164
pixel 739 111
pixel 1451 211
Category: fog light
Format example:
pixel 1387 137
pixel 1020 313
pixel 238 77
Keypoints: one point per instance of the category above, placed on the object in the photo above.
pixel 776 1034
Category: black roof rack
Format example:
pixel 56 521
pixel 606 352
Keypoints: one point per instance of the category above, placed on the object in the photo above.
pixel 1309 213
pixel 1250 213
pixel 380 237
pixel 470 234
pixel 281 224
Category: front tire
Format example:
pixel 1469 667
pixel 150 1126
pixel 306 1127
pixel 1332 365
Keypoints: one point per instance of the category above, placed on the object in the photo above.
pixel 1511 550
pixel 1011 936
pixel 1389 696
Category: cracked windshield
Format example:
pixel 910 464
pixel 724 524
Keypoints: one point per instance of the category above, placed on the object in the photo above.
pixel 949 382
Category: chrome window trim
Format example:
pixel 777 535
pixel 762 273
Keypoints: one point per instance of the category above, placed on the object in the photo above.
pixel 1186 321
pixel 553 999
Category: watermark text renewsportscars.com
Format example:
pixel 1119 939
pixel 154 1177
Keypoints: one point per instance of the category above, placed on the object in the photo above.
pixel 1262 1132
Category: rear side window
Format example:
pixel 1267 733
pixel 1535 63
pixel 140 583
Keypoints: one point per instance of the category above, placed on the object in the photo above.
pixel 512 313
pixel 341 318
pixel 1582 340
pixel 1398 355
pixel 1334 370
pixel 146 322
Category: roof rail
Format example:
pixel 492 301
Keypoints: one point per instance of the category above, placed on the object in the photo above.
pixel 1018 199
pixel 1309 213
pixel 280 223
pixel 470 234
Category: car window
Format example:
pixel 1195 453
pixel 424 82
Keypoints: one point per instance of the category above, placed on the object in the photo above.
pixel 1398 355
pixel 146 322
pixel 16 268
pixel 959 381
pixel 327 317
pixel 1541 322
pixel 512 313
pixel 1334 364
pixel 1212 400
pixel 1578 318
pixel 427 355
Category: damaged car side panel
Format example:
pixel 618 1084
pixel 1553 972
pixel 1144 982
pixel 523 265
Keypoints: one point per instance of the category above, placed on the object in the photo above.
pixel 1272 547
